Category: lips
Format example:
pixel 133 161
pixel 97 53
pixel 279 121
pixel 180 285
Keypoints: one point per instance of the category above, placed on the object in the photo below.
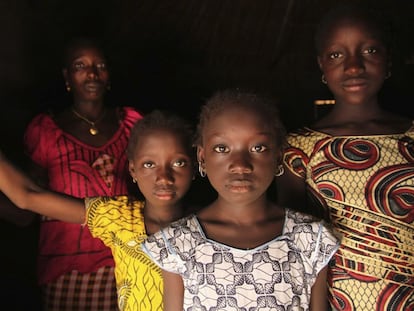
pixel 240 185
pixel 93 86
pixel 354 84
pixel 164 193
pixel 240 182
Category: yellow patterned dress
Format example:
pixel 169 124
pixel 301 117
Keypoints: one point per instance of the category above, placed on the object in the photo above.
pixel 367 183
pixel 119 223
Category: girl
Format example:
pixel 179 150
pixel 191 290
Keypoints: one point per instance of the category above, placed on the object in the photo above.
pixel 160 162
pixel 358 161
pixel 242 251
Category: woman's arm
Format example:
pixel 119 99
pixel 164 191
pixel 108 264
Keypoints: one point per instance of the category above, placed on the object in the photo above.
pixel 319 294
pixel 27 195
pixel 173 291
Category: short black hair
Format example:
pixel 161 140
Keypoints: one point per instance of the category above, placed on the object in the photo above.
pixel 160 119
pixel 361 12
pixel 259 103
pixel 76 43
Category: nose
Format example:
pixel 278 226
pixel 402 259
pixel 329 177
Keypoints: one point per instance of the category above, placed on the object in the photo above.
pixel 164 175
pixel 354 64
pixel 241 163
pixel 93 71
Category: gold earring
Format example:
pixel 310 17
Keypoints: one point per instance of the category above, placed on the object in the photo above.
pixel 67 86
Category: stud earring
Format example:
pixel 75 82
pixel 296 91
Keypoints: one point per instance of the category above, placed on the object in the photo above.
pixel 134 180
pixel 323 79
pixel 201 169
pixel 281 171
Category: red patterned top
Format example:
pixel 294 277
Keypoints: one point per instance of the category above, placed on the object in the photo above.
pixel 79 170
pixel 367 183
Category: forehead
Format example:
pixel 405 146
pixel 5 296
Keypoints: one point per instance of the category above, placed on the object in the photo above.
pixel 237 119
pixel 160 138
pixel 351 25
pixel 84 51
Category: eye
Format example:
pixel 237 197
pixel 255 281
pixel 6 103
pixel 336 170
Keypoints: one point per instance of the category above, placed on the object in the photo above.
pixel 258 148
pixel 101 66
pixel 79 66
pixel 221 149
pixel 370 51
pixel 148 164
pixel 180 163
pixel 335 55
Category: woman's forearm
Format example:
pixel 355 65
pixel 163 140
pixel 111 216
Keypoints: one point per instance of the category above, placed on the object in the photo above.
pixel 27 195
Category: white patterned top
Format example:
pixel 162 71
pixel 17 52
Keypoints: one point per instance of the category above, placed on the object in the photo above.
pixel 277 275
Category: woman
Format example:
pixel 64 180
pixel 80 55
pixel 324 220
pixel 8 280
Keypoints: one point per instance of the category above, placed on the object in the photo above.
pixel 358 161
pixel 80 151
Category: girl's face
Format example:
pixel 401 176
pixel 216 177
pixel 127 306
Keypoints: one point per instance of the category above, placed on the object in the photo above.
pixel 162 167
pixel 239 153
pixel 353 59
pixel 87 74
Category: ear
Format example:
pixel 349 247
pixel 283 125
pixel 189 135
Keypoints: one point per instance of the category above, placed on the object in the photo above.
pixel 389 65
pixel 200 154
pixel 279 158
pixel 318 59
pixel 131 169
pixel 65 74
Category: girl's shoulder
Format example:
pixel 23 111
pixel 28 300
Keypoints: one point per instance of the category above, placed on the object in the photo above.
pixel 301 227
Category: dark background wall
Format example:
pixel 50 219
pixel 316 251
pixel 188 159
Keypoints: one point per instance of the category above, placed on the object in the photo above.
pixel 173 54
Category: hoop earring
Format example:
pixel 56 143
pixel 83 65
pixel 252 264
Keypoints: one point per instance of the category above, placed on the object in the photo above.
pixel 323 79
pixel 281 171
pixel 201 169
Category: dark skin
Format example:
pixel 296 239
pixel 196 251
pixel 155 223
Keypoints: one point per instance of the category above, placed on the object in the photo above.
pixel 241 216
pixel 163 170
pixel 240 158
pixel 87 78
pixel 161 164
pixel 355 63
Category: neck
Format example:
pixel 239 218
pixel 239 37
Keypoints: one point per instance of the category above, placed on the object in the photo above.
pixel 161 215
pixel 355 113
pixel 90 109
pixel 246 213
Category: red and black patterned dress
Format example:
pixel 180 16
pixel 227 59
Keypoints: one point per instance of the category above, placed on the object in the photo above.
pixel 367 183
pixel 75 269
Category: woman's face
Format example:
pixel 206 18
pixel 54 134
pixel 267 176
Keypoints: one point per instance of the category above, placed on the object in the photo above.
pixel 353 59
pixel 87 74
